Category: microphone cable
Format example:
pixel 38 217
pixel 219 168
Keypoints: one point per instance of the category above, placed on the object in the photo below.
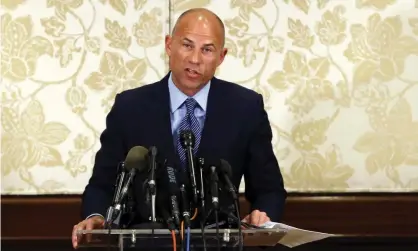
pixel 172 229
pixel 173 235
pixel 188 230
pixel 188 239
pixel 183 230
pixel 182 224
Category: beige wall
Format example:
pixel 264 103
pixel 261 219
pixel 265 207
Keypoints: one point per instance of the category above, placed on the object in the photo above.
pixel 339 78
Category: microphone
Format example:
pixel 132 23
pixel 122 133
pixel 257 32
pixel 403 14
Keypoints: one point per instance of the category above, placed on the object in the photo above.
pixel 173 190
pixel 225 172
pixel 187 139
pixel 202 185
pixel 214 179
pixel 120 179
pixel 163 211
pixel 185 206
pixel 118 187
pixel 136 161
pixel 151 182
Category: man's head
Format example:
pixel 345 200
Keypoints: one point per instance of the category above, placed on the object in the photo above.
pixel 196 49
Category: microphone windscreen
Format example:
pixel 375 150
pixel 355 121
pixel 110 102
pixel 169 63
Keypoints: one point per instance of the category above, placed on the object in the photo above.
pixel 226 168
pixel 137 158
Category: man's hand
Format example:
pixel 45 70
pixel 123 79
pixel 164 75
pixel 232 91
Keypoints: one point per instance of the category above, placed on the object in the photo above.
pixel 95 222
pixel 256 218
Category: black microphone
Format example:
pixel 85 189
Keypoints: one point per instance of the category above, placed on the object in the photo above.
pixel 136 161
pixel 173 191
pixel 187 139
pixel 225 172
pixel 185 206
pixel 151 180
pixel 214 179
pixel 163 210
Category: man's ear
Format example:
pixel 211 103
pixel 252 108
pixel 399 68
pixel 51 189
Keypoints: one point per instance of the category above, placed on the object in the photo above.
pixel 223 54
pixel 168 41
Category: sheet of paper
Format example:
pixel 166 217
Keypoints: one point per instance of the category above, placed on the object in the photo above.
pixel 296 236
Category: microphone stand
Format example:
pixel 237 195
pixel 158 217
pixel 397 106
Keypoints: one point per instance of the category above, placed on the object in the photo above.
pixel 214 179
pixel 188 141
pixel 201 162
pixel 192 173
pixel 151 183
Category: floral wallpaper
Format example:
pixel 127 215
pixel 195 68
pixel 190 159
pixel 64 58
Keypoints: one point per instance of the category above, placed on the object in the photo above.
pixel 339 80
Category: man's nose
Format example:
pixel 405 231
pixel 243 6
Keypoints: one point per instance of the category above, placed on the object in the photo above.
pixel 195 56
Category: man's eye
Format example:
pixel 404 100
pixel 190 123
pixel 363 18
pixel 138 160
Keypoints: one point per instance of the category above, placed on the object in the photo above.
pixel 187 45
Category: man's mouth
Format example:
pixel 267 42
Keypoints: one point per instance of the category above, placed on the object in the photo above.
pixel 191 71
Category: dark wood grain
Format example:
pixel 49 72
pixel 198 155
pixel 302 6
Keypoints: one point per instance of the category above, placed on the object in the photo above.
pixel 355 214
pixel 378 215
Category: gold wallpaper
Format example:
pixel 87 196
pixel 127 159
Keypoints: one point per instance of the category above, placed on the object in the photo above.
pixel 339 79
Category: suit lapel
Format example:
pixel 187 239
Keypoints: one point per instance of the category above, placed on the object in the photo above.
pixel 215 115
pixel 161 116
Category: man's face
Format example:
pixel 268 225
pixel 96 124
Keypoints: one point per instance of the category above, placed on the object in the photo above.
pixel 195 51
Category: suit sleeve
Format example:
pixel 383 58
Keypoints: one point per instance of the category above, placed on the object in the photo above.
pixel 264 187
pixel 98 193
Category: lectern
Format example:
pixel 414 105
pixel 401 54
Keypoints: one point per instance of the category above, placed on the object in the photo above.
pixel 163 239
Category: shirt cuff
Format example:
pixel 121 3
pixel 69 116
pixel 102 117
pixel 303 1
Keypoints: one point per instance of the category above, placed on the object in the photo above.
pixel 91 215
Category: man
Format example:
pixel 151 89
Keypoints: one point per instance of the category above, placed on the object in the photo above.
pixel 230 120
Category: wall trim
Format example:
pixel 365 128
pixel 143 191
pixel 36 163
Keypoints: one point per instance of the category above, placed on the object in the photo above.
pixel 52 217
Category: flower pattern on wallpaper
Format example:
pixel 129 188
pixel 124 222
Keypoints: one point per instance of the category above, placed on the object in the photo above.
pixel 338 78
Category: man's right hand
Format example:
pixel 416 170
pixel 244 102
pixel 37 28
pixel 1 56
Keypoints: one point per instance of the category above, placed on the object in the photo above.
pixel 94 222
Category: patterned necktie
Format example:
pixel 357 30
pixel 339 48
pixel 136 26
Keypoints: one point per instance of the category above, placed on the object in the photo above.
pixel 189 122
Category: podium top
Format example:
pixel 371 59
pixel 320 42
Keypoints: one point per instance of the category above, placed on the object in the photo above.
pixel 158 238
pixel 158 231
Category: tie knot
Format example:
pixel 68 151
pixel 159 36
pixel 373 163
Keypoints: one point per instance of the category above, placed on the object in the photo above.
pixel 191 105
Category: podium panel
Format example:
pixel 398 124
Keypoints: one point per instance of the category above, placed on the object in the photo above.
pixel 163 239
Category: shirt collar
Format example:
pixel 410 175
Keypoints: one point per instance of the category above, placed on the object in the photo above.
pixel 177 97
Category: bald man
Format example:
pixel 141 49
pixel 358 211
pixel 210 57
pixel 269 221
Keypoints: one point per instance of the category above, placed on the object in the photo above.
pixel 229 122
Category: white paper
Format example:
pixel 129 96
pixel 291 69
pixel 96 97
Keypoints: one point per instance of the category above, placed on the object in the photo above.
pixel 296 236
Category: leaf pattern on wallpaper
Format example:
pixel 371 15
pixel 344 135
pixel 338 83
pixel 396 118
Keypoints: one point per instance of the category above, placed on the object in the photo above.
pixel 147 30
pixel 63 7
pixel 116 75
pixel 312 170
pixel 396 143
pixel 378 4
pixel 379 49
pixel 307 80
pixel 331 29
pixel 29 140
pixel 183 5
pixel 300 33
pixel 117 35
pixel 20 49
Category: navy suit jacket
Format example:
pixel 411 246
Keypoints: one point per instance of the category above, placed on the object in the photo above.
pixel 236 129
